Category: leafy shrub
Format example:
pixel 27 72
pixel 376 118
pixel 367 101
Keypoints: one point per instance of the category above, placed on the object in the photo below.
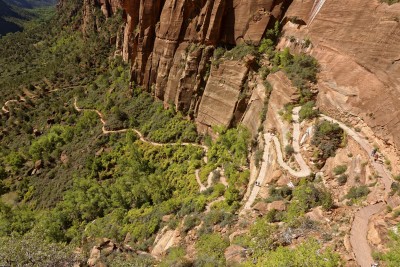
pixel 34 249
pixel 258 157
pixel 302 69
pixel 240 51
pixel 218 54
pixel 307 253
pixel 190 222
pixel 44 145
pixel 342 179
pixel 287 113
pixel 357 192
pixel 306 196
pixel 328 137
pixel 340 169
pixel 308 111
pixel 274 216
pixel 289 150
pixel 15 160
pixel 390 2
pixel 267 46
pixel 279 193
pixel 175 257
pixel 210 250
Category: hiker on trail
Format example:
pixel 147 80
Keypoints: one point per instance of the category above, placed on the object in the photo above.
pixel 376 157
pixel 373 153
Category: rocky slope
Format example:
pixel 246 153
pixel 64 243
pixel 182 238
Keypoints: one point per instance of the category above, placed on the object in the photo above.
pixel 170 44
pixel 357 45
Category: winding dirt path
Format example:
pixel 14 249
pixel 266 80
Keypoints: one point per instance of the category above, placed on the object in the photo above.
pixel 141 137
pixel 359 227
pixel 31 95
pixel 269 138
pixel 202 187
pixel 4 107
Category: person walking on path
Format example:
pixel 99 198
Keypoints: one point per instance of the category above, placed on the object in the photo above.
pixel 373 153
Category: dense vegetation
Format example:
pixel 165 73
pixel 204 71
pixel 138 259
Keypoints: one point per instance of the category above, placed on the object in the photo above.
pixel 15 15
pixel 328 137
pixel 64 183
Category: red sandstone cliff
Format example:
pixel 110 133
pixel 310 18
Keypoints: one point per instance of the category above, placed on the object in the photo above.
pixel 358 47
pixel 170 43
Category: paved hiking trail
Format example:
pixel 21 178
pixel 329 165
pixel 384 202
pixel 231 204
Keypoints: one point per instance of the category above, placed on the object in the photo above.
pixel 268 138
pixel 359 227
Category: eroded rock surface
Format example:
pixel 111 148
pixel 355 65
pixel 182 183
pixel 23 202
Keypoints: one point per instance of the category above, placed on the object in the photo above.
pixel 357 45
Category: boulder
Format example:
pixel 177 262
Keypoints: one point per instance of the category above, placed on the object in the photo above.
pixel 94 256
pixel 234 254
pixel 261 207
pixel 38 164
pixel 278 205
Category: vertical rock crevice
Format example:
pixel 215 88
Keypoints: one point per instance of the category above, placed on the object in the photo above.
pixel 170 43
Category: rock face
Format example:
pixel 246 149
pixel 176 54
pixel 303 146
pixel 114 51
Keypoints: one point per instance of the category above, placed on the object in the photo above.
pixel 358 47
pixel 170 43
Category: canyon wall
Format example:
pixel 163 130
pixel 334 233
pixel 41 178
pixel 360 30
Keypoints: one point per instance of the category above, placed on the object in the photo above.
pixel 358 47
pixel 170 42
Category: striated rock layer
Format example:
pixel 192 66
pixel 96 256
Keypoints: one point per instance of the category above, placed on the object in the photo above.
pixel 358 47
pixel 170 43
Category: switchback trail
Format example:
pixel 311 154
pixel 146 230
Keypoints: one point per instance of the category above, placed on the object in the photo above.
pixel 268 138
pixel 359 227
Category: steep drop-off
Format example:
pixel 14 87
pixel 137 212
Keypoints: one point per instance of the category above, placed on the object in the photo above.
pixel 358 47
pixel 170 44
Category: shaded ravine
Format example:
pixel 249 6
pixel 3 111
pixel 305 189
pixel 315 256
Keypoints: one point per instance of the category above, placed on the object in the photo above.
pixel 359 227
pixel 268 138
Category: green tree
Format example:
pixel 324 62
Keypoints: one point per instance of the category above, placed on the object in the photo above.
pixel 210 250
pixel 307 253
